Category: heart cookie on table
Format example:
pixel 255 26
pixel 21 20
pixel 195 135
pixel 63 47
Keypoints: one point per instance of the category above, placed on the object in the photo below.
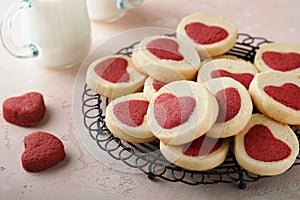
pixel 114 76
pixel 42 151
pixel 266 147
pixel 277 95
pixel 235 107
pixel 284 57
pixel 238 69
pixel 181 111
pixel 202 154
pixel 211 35
pixel 126 118
pixel 166 59
pixel 24 110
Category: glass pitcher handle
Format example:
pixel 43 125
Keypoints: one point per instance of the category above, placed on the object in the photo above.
pixel 128 4
pixel 24 51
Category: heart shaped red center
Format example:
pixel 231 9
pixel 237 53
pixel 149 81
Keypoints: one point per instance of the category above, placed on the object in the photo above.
pixel 203 34
pixel 171 111
pixel 42 151
pixel 229 101
pixel 243 78
pixel 164 48
pixel 113 70
pixel 281 61
pixel 260 144
pixel 157 85
pixel 131 112
pixel 202 146
pixel 288 94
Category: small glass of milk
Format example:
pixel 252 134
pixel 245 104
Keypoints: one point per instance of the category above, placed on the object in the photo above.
pixel 110 10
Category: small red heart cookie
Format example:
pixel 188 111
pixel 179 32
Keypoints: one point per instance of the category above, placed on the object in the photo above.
pixel 42 151
pixel 202 154
pixel 266 147
pixel 277 95
pixel 166 59
pixel 284 57
pixel 235 107
pixel 210 35
pixel 238 69
pixel 181 111
pixel 114 76
pixel 25 110
pixel 126 118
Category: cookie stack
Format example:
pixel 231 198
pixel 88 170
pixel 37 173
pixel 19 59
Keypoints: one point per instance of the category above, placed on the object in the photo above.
pixel 166 91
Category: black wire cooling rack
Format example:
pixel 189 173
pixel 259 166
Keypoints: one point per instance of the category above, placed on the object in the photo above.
pixel 147 157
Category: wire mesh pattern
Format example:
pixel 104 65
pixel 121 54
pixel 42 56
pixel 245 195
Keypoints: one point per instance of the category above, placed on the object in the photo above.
pixel 147 157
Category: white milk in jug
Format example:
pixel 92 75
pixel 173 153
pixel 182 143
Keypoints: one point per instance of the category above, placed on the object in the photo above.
pixel 60 29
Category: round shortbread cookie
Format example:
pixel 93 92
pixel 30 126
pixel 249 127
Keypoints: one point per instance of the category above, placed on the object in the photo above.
pixel 151 86
pixel 211 35
pixel 202 154
pixel 182 111
pixel 114 76
pixel 235 107
pixel 238 69
pixel 126 118
pixel 266 147
pixel 166 59
pixel 277 95
pixel 284 57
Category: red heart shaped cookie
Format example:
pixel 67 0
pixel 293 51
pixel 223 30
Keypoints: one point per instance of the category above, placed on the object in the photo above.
pixel 131 112
pixel 281 61
pixel 288 94
pixel 243 78
pixel 204 34
pixel 260 144
pixel 25 110
pixel 164 48
pixel 113 70
pixel 171 111
pixel 42 151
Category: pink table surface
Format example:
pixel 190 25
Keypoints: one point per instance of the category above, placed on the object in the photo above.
pixel 80 175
